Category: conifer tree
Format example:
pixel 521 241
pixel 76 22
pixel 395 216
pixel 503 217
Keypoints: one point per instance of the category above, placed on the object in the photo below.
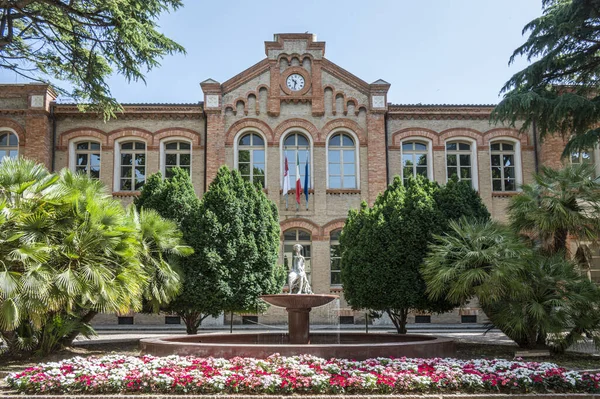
pixel 558 91
pixel 81 43
pixel 234 231
pixel 383 247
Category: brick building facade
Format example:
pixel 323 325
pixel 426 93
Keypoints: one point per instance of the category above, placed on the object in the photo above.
pixel 296 104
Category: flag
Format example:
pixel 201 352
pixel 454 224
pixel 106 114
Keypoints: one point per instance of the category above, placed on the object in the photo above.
pixel 298 185
pixel 306 180
pixel 286 177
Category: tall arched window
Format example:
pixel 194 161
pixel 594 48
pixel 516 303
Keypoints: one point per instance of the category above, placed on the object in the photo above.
pixel 292 237
pixel 251 158
pixel 341 157
pixel 9 145
pixel 177 154
pixel 296 147
pixel 504 170
pixel 87 158
pixel 335 258
pixel 132 165
pixel 459 161
pixel 414 159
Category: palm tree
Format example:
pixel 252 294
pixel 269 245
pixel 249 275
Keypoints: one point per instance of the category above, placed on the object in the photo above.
pixel 69 251
pixel 531 297
pixel 475 259
pixel 559 204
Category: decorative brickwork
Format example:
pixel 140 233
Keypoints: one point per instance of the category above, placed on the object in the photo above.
pixel 250 123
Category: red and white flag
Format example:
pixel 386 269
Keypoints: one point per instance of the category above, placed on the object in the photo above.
pixel 298 185
pixel 286 178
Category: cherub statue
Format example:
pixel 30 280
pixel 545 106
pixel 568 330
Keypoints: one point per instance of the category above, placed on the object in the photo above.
pixel 297 277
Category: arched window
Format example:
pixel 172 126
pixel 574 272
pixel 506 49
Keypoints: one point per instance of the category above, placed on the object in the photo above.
pixel 132 165
pixel 9 145
pixel 296 147
pixel 459 161
pixel 251 158
pixel 335 258
pixel 292 237
pixel 415 159
pixel 504 170
pixel 177 154
pixel 87 158
pixel 341 157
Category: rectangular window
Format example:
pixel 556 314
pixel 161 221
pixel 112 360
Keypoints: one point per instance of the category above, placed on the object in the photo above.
pixel 459 162
pixel 346 319
pixel 172 320
pixel 503 167
pixel 250 320
pixel 468 319
pixel 422 319
pixel 125 320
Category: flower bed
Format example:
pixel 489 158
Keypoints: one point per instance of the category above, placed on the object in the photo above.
pixel 298 374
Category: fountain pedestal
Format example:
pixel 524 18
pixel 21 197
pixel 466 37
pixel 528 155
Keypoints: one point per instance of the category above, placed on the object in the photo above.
pixel 298 307
pixel 299 325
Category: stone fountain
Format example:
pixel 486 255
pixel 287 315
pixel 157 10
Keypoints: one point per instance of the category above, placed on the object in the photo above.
pixel 298 303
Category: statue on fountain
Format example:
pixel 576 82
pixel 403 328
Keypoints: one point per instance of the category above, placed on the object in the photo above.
pixel 297 279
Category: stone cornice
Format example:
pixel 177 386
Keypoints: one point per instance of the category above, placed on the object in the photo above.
pixel 443 111
pixel 138 111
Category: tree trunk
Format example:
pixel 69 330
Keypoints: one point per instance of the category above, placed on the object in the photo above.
pixel 11 340
pixel 192 321
pixel 560 241
pixel 86 318
pixel 399 318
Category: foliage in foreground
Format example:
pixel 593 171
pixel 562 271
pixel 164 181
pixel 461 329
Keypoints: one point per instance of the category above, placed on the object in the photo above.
pixel 69 251
pixel 535 299
pixel 523 275
pixel 383 247
pixel 83 42
pixel 558 92
pixel 234 231
pixel 558 204
pixel 299 374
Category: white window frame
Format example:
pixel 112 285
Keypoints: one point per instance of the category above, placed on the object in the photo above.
pixel 331 243
pixel 163 151
pixel 429 145
pixel 596 154
pixel 73 151
pixel 518 165
pixel 474 163
pixel 282 157
pixel 236 140
pixel 9 130
pixel 356 155
pixel 117 161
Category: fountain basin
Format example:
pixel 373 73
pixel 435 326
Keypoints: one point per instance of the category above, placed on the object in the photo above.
pixel 298 301
pixel 348 345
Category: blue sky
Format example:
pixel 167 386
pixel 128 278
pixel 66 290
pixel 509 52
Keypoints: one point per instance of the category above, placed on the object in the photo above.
pixel 431 51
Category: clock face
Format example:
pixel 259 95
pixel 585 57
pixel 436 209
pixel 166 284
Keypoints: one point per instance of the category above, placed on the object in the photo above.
pixel 295 82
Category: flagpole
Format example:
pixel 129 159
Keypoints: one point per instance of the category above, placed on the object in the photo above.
pixel 307 180
pixel 284 179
